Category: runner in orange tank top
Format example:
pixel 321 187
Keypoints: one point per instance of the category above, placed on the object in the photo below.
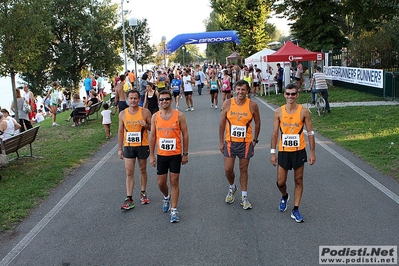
pixel 169 133
pixel 237 139
pixel 134 123
pixel 289 122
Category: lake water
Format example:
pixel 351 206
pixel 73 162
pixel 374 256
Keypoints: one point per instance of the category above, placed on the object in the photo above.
pixel 6 91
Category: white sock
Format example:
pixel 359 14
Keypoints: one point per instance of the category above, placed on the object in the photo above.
pixel 166 197
pixel 244 193
pixel 232 186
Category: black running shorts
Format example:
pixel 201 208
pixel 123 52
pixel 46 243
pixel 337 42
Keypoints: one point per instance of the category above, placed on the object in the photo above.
pixel 165 163
pixel 289 160
pixel 141 152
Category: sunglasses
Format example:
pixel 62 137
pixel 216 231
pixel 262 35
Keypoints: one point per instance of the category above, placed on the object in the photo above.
pixel 292 93
pixel 164 99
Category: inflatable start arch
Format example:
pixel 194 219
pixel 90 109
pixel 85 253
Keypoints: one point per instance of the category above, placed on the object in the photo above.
pixel 202 37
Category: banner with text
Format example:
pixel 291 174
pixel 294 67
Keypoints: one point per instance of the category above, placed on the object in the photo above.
pixel 361 76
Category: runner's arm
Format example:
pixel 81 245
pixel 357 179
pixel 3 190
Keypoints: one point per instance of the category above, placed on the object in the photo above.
pixel 274 138
pixel 309 129
pixel 121 134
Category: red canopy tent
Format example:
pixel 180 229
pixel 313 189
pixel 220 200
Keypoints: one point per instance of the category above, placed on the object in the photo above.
pixel 290 52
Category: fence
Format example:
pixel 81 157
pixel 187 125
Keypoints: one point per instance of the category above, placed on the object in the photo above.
pixel 391 85
pixel 390 90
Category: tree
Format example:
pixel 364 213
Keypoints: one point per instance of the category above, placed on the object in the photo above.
pixel 248 17
pixel 23 36
pixel 317 24
pixel 368 15
pixel 84 39
pixel 217 52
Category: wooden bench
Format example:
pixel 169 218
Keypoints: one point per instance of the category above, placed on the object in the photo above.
pixel 20 140
pixel 81 112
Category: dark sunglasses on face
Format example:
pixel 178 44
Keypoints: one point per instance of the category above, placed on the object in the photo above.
pixel 164 99
pixel 292 93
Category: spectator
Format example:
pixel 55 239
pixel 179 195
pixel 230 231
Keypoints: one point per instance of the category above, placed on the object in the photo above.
pixel 106 114
pixel 319 80
pixel 101 87
pixel 53 102
pixel 23 116
pixel 8 125
pixel 88 84
pixel 279 78
pixel 93 98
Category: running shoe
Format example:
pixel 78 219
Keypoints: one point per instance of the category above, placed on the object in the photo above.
pixel 55 125
pixel 245 203
pixel 129 204
pixel 174 218
pixel 166 205
pixel 211 105
pixel 192 108
pixel 144 199
pixel 297 216
pixel 283 204
pixel 188 109
pixel 216 107
pixel 230 194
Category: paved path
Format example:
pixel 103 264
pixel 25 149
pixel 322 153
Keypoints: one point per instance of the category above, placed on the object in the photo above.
pixel 345 202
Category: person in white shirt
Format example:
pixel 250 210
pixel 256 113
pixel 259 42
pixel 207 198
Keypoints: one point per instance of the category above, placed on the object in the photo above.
pixel 106 114
pixel 187 84
pixel 320 86
pixel 39 116
pixel 8 125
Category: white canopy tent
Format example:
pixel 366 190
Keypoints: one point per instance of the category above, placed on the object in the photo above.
pixel 260 59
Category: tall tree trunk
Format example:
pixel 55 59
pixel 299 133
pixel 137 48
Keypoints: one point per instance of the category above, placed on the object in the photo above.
pixel 14 95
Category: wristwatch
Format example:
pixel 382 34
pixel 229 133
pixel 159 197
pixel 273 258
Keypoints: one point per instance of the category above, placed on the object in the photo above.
pixel 185 153
pixel 256 140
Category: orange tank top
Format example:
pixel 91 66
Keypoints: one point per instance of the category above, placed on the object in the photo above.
pixel 168 134
pixel 135 135
pixel 239 122
pixel 291 129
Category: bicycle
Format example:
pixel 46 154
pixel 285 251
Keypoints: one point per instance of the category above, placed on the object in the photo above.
pixel 319 104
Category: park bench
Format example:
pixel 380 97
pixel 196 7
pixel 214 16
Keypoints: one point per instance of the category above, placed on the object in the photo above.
pixel 20 140
pixel 81 112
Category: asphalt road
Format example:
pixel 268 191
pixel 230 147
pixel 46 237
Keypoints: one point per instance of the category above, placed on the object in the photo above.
pixel 345 202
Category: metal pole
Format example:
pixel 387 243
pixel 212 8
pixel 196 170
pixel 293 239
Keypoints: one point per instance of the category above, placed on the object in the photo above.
pixel 124 37
pixel 136 86
pixel 164 50
pixel 184 49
